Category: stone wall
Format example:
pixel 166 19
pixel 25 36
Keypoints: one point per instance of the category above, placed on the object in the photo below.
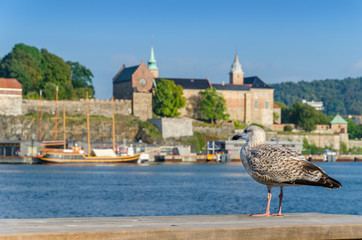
pixel 142 105
pixel 10 105
pixel 96 107
pixel 355 143
pixel 320 140
pixel 223 131
pixel 173 127
pixel 24 127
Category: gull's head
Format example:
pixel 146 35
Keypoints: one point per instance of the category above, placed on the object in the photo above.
pixel 251 134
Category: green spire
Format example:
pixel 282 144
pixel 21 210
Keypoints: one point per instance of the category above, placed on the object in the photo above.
pixel 152 63
pixel 338 120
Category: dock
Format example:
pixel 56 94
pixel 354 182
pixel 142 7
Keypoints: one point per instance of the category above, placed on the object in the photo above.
pixel 213 227
pixel 17 160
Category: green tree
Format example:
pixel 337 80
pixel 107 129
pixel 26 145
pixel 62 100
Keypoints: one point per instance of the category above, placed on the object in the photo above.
pixel 81 80
pixel 168 99
pixel 24 67
pixel 57 73
pixel 288 128
pixel 354 130
pixel 212 105
pixel 40 70
pixel 304 116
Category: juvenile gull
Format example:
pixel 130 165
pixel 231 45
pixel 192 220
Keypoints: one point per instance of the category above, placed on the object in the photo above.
pixel 276 166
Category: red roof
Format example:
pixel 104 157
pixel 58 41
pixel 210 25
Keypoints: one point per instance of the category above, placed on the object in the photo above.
pixel 276 105
pixel 10 83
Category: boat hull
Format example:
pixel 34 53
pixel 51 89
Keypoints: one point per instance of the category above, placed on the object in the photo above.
pixel 82 159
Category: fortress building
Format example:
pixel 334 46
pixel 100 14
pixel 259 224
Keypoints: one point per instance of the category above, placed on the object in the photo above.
pixel 248 99
pixel 135 83
pixel 11 95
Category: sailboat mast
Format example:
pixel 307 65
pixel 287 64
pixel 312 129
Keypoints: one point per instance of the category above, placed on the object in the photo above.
pixel 56 113
pixel 64 131
pixel 88 131
pixel 113 126
pixel 39 134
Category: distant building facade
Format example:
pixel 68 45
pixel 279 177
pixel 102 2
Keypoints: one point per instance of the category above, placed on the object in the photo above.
pixel 317 105
pixel 357 119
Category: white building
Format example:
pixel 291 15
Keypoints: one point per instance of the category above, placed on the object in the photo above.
pixel 317 105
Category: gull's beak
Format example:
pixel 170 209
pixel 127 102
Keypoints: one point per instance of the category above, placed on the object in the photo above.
pixel 237 137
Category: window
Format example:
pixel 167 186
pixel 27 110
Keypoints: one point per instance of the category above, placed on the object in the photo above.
pixel 256 94
pixel 256 104
pixel 266 94
pixel 230 94
pixel 186 92
pixel 260 94
pixel 266 105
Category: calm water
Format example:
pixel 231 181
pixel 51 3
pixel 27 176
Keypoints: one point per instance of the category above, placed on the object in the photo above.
pixel 53 191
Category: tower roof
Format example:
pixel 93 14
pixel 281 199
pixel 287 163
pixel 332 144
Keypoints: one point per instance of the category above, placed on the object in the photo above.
pixel 236 67
pixel 338 120
pixel 152 63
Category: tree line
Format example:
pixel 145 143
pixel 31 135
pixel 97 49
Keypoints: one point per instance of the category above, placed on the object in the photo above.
pixel 307 117
pixel 39 70
pixel 338 96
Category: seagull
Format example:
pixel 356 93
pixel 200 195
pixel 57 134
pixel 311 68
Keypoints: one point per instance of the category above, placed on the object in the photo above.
pixel 276 166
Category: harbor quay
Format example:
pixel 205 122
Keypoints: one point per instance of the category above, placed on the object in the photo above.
pixel 289 226
pixel 23 151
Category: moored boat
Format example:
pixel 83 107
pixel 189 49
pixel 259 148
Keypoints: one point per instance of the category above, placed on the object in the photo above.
pixel 77 155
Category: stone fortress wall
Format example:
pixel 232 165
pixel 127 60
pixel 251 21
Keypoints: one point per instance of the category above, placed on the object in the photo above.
pixel 10 106
pixel 96 107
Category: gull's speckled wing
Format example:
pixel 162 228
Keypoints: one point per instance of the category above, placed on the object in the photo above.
pixel 276 165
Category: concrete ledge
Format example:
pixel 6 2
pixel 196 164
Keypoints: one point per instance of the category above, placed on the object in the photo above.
pixel 290 226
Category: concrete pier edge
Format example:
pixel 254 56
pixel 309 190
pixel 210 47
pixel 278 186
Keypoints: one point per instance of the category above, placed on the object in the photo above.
pixel 289 226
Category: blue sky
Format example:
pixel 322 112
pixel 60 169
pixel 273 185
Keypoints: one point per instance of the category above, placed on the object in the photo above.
pixel 277 40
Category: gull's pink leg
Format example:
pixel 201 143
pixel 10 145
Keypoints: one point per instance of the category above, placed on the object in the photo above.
pixel 267 212
pixel 280 203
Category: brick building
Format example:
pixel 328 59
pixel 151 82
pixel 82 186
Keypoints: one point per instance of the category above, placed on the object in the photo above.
pixel 135 83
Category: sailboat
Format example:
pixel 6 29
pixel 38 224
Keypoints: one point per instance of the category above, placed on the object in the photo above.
pixel 77 155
